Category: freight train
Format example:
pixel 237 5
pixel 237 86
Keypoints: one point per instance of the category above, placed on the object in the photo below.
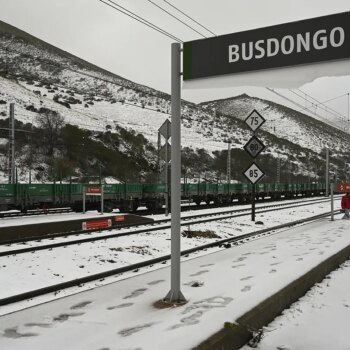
pixel 130 196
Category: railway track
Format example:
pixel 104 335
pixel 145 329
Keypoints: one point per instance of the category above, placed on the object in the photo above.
pixel 155 226
pixel 15 214
pixel 222 243
pixel 184 207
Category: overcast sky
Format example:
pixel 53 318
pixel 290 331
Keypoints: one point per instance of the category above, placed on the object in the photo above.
pixel 110 39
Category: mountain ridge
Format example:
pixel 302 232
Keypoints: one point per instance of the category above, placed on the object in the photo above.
pixel 35 76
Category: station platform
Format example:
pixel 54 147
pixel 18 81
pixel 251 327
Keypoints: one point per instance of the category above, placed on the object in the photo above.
pixel 24 227
pixel 229 293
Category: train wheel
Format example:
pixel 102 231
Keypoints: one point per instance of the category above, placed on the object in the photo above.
pixel 108 207
pixel 134 206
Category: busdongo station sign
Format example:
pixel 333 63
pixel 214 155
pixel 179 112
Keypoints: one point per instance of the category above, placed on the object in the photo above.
pixel 308 41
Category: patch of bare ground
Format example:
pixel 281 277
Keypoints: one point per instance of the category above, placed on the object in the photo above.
pixel 199 234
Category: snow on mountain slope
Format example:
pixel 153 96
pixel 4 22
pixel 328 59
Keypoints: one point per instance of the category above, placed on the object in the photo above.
pixel 35 75
pixel 284 122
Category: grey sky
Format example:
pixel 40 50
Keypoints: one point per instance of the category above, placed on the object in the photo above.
pixel 101 35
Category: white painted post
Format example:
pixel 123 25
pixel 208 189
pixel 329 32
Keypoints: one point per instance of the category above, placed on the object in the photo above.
pixel 175 295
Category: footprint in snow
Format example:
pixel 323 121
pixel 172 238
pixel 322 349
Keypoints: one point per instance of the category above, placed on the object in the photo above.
pixel 246 289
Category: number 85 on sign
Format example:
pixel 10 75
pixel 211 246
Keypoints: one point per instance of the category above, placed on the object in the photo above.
pixel 254 174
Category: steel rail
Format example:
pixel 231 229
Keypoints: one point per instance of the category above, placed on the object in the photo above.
pixel 226 243
pixel 123 226
pixel 149 229
pixel 35 212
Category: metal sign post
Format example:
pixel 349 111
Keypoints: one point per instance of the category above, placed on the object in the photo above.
pixel 92 191
pixel 254 147
pixel 165 154
pixel 175 295
pixel 253 203
pixel 253 174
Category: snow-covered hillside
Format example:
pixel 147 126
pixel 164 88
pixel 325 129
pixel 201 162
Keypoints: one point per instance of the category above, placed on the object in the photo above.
pixel 284 122
pixel 37 75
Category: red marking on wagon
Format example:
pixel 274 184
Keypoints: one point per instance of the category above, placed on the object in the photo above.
pixel 342 187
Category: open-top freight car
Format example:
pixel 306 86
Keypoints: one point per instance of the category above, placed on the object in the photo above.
pixel 23 197
pixel 130 196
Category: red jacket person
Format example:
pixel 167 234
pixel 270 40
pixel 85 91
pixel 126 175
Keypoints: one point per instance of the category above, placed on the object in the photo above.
pixel 345 205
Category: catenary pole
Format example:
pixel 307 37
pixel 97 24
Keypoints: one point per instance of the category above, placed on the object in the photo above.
pixel 175 295
pixel 166 172
pixel 327 172
pixel 12 144
pixel 332 200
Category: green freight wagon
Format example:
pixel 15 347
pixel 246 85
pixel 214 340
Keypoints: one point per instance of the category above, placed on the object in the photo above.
pixel 154 195
pixel 7 196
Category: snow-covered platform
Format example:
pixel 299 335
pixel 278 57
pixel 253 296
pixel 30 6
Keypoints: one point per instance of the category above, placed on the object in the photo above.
pixel 23 227
pixel 227 291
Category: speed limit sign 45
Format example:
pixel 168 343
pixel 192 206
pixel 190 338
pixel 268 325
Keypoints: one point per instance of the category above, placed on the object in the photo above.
pixel 254 173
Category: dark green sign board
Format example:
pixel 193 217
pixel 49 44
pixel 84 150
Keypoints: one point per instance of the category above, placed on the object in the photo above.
pixel 308 41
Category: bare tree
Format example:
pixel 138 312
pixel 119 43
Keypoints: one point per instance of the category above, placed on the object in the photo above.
pixel 51 123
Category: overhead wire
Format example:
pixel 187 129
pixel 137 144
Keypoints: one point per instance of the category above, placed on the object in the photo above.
pixel 143 21
pixel 178 19
pixel 319 103
pixel 297 104
pixel 140 19
pixel 334 98
pixel 192 19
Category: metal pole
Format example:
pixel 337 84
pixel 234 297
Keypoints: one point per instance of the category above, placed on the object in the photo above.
pixel 101 199
pixel 159 164
pixel 327 172
pixel 175 295
pixel 228 167
pixel 12 144
pixel 332 203
pixel 308 169
pixel 84 200
pixel 253 203
pixel 166 173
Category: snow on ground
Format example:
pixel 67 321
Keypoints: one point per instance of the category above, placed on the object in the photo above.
pixel 219 287
pixel 35 270
pixel 319 320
